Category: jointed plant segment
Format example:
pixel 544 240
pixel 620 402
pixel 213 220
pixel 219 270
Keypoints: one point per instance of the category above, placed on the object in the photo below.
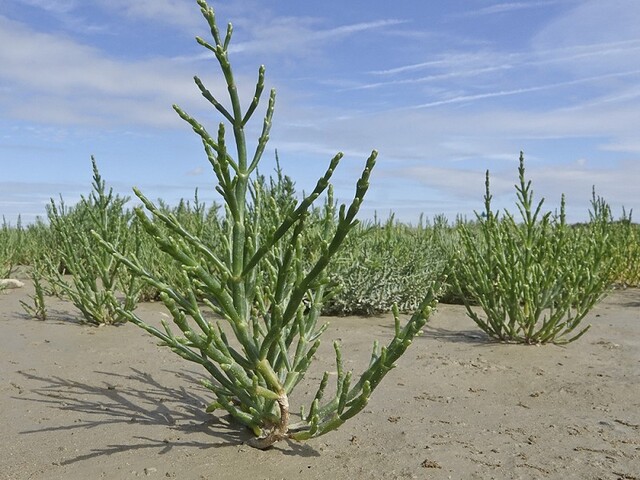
pixel 265 289
pixel 536 280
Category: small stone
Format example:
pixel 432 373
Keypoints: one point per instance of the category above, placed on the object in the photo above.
pixel 150 470
pixel 11 283
pixel 430 464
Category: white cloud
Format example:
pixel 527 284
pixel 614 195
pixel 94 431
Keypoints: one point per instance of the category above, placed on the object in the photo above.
pixel 593 23
pixel 432 133
pixel 519 91
pixel 616 183
pixel 196 172
pixel 524 67
pixel 299 36
pixel 53 6
pixel 475 107
pixel 576 180
pixel 79 84
pixel 50 78
pixel 180 13
pixel 29 199
pixel 451 62
pixel 66 12
pixel 630 145
pixel 69 67
pixel 510 7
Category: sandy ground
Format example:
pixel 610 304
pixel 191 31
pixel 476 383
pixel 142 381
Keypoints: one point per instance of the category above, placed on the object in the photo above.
pixel 79 402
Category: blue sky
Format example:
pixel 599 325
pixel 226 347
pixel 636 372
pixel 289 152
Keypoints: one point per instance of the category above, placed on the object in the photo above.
pixel 444 90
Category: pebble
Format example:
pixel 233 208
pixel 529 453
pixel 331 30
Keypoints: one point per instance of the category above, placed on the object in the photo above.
pixel 11 283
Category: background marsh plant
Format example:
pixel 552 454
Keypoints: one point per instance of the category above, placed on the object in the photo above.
pixel 386 264
pixel 11 240
pixel 534 280
pixel 95 282
pixel 625 237
pixel 37 307
pixel 262 282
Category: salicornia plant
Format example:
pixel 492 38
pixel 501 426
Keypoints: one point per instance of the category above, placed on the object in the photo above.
pixel 9 242
pixel 535 280
pixel 38 308
pixel 95 278
pixel 626 251
pixel 261 280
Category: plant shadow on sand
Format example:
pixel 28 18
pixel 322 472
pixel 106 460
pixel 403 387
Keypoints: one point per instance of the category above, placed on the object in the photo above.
pixel 62 316
pixel 626 297
pixel 453 335
pixel 474 337
pixel 139 399
pixel 631 304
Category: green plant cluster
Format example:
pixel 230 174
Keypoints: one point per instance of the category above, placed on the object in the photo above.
pixel 20 245
pixel 402 259
pixel 246 281
pixel 385 264
pixel 94 280
pixel 534 279
pixel 262 282
pixel 625 240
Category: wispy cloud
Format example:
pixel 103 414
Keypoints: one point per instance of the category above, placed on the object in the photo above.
pixel 179 13
pixel 167 12
pixel 51 78
pixel 593 22
pixel 356 27
pixel 29 199
pixel 196 172
pixel 296 35
pixel 453 65
pixel 631 145
pixel 434 77
pixel 52 6
pixel 67 13
pixel 518 91
pixel 510 7
pixel 447 60
pixel 575 180
pixel 78 84
pixel 568 87
pixel 484 134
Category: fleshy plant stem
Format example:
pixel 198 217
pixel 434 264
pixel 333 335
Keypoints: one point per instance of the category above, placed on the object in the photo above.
pixel 264 280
